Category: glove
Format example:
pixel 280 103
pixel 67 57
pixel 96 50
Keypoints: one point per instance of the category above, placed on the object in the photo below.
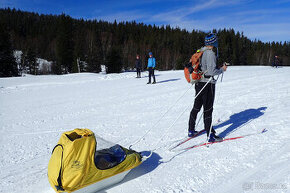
pixel 225 67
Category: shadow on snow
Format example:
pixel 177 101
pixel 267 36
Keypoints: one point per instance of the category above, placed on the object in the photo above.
pixel 174 79
pixel 240 119
pixel 235 122
pixel 146 167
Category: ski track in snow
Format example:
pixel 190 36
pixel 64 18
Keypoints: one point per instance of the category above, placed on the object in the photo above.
pixel 35 110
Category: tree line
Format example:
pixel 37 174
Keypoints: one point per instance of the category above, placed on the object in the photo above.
pixel 78 45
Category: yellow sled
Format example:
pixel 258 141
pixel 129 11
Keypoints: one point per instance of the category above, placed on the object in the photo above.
pixel 82 162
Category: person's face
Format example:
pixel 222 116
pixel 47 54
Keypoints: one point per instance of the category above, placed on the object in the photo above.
pixel 137 57
pixel 150 56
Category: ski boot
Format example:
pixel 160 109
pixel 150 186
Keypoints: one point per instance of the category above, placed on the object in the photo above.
pixel 214 138
pixel 192 133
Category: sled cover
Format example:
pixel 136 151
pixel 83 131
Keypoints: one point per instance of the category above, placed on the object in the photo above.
pixel 81 159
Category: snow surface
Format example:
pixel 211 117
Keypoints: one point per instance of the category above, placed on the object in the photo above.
pixel 35 110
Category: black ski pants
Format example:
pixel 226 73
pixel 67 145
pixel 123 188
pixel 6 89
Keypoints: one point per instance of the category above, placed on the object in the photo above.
pixel 139 72
pixel 151 73
pixel 205 99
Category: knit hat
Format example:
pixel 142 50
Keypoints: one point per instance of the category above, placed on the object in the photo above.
pixel 150 54
pixel 211 40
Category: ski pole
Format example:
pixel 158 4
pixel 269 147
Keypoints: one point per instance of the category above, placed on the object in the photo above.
pixel 142 138
pixel 180 115
pixel 211 121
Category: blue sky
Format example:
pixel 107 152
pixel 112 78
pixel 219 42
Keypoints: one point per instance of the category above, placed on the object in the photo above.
pixel 267 20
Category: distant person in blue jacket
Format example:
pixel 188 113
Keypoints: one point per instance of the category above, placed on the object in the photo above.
pixel 151 66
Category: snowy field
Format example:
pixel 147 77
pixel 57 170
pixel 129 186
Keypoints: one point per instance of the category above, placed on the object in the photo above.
pixel 35 110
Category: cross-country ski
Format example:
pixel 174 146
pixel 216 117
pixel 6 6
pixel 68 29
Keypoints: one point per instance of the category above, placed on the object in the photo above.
pixel 218 141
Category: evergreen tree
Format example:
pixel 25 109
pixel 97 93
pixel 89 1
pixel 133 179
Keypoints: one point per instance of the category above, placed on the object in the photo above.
pixel 79 49
pixel 94 52
pixel 56 68
pixel 65 53
pixel 114 61
pixel 29 62
pixel 8 66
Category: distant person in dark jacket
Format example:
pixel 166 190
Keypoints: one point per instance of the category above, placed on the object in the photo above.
pixel 138 66
pixel 275 62
pixel 151 66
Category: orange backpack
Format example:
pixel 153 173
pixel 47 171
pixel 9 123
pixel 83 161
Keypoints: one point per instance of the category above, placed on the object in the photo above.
pixel 197 74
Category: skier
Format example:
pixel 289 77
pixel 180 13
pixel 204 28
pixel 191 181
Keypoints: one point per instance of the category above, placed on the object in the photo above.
pixel 151 66
pixel 138 65
pixel 206 97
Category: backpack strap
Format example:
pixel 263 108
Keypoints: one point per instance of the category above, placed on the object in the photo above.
pixel 59 187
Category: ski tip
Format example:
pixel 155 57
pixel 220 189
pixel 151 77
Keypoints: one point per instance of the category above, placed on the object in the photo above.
pixel 264 130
